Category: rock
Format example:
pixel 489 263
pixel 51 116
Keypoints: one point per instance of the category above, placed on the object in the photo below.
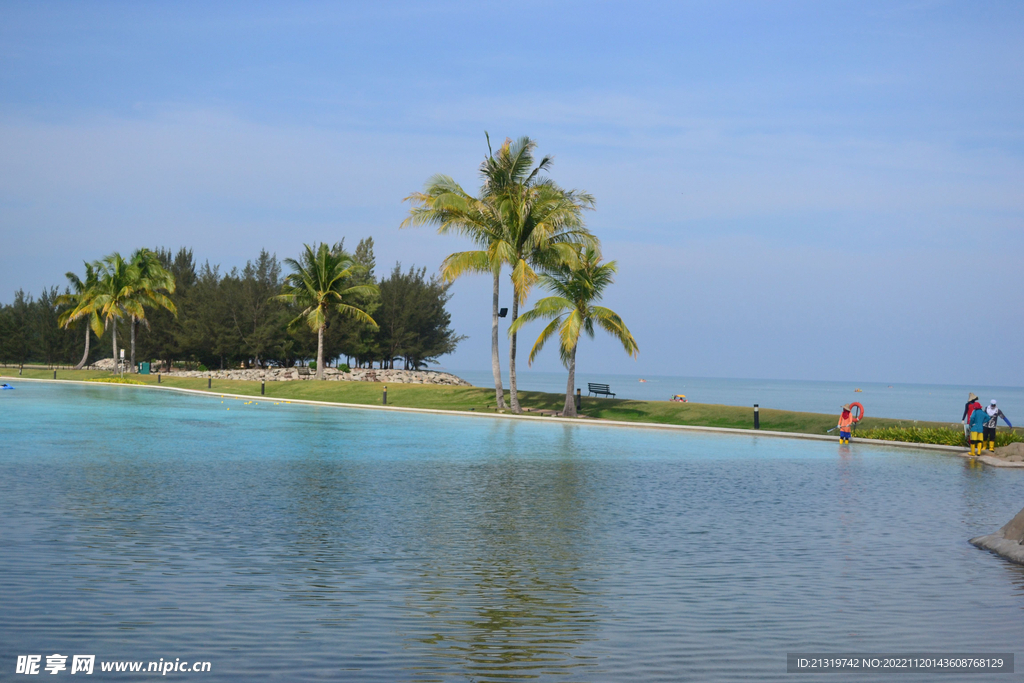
pixel 1007 542
pixel 332 374
pixel 1010 451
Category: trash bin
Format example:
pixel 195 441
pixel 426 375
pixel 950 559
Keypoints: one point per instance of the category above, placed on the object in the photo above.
pixel 143 368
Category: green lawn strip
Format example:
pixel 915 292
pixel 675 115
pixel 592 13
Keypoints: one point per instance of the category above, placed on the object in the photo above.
pixel 478 399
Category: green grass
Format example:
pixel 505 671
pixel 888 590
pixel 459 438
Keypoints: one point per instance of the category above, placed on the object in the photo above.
pixel 482 400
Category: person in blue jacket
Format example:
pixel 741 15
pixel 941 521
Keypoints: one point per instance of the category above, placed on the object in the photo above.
pixel 978 420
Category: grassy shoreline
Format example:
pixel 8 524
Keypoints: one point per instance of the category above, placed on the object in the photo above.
pixel 481 400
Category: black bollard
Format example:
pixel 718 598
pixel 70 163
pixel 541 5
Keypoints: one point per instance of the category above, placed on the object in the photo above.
pixel 263 387
pixel 21 369
pixel 757 417
pixel 209 382
pixel 158 378
pixel 385 395
pixel 579 398
pixel 55 374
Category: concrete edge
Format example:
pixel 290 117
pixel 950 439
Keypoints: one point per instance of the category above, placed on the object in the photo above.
pixel 564 420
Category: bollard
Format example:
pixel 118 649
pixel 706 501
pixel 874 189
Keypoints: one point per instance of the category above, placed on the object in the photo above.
pixel 263 387
pixel 579 398
pixel 757 417
pixel 21 369
pixel 158 378
pixel 209 382
pixel 55 374
pixel 385 395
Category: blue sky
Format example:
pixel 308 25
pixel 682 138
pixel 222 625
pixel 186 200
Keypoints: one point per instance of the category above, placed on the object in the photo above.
pixel 798 190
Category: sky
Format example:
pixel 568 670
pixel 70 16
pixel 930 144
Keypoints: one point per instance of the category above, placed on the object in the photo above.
pixel 791 190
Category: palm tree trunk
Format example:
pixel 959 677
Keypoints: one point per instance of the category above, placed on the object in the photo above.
pixel 131 366
pixel 85 356
pixel 499 391
pixel 569 410
pixel 320 353
pixel 113 335
pixel 512 391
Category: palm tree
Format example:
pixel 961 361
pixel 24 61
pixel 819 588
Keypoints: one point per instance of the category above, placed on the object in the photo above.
pixel 111 297
pixel 80 297
pixel 151 280
pixel 321 280
pixel 543 225
pixel 572 310
pixel 518 219
pixel 454 211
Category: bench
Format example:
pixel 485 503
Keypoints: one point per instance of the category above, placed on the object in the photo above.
pixel 599 390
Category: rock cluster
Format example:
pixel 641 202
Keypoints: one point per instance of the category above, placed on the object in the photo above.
pixel 1007 541
pixel 333 375
pixel 1013 452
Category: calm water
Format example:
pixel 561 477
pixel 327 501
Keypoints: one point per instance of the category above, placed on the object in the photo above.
pixel 935 402
pixel 288 543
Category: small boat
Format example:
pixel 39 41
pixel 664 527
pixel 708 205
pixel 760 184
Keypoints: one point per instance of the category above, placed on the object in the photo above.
pixel 858 391
pixel 642 380
pixel 679 398
pixel 5 386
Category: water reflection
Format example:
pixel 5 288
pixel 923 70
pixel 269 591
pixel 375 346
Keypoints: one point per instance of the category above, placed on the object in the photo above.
pixel 516 595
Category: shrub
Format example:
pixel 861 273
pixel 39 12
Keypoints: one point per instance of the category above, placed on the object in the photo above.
pixel 344 367
pixel 202 368
pixel 948 436
pixel 115 380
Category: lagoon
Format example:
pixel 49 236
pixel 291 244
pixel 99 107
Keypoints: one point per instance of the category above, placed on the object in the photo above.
pixel 285 542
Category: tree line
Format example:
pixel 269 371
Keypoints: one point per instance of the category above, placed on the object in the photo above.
pixel 165 307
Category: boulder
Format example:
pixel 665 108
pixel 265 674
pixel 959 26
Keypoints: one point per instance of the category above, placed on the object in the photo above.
pixel 1007 542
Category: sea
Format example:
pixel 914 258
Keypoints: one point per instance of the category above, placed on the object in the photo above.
pixel 926 402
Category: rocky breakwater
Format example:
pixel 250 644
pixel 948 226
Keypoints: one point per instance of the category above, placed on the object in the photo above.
pixel 1006 542
pixel 333 375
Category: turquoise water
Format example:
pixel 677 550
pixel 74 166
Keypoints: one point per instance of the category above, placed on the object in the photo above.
pixel 295 543
pixel 933 402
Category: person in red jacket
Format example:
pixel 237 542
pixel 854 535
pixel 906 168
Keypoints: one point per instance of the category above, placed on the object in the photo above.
pixel 845 425
pixel 971 405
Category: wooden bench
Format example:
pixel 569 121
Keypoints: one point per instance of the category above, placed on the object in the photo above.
pixel 599 390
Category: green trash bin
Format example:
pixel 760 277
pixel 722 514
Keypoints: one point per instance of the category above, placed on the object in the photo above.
pixel 143 368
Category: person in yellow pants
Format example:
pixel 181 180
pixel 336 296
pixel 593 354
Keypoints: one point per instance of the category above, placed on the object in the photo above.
pixel 845 425
pixel 977 422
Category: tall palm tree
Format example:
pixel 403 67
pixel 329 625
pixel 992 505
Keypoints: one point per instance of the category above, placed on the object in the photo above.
pixel 321 280
pixel 518 219
pixel 543 224
pixel 151 279
pixel 81 297
pixel 572 310
pixel 454 211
